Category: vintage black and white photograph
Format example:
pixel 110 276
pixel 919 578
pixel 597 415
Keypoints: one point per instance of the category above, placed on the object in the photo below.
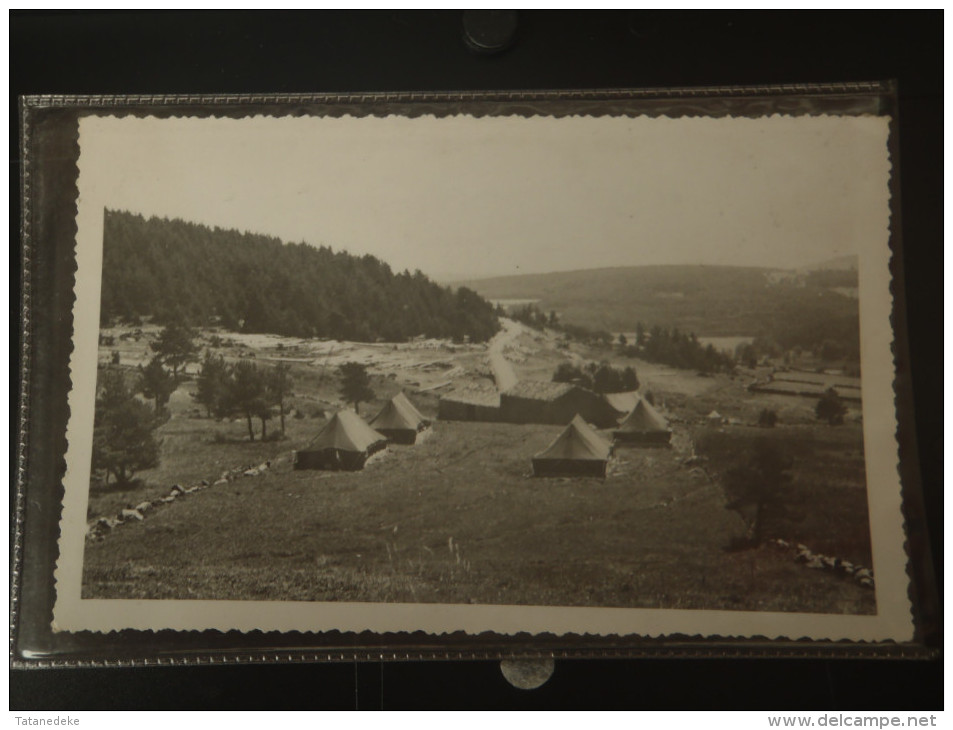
pixel 593 374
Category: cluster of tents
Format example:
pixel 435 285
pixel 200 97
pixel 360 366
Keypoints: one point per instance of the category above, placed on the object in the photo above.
pixel 347 441
pixel 579 450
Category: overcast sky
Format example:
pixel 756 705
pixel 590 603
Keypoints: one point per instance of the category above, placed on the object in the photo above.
pixel 463 197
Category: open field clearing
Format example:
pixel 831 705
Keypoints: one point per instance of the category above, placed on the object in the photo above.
pixel 420 363
pixel 458 518
pixel 824 380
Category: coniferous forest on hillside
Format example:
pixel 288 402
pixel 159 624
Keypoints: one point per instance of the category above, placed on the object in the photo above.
pixel 254 283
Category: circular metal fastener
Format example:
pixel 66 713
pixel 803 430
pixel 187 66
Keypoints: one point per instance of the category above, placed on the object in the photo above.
pixel 489 31
pixel 528 673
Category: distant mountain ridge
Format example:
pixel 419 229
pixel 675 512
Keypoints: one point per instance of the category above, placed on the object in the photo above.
pixel 838 263
pixel 255 283
pixel 706 300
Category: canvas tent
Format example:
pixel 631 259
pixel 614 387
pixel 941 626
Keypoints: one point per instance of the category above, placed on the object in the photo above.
pixel 343 444
pixel 644 426
pixel 715 418
pixel 623 403
pixel 577 451
pixel 399 420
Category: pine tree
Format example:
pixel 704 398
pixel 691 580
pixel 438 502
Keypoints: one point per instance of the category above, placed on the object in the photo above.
pixel 175 345
pixel 831 408
pixel 279 386
pixel 639 334
pixel 156 383
pixel 757 489
pixel 213 384
pixel 247 396
pixel 123 432
pixel 630 381
pixel 355 384
pixel 605 379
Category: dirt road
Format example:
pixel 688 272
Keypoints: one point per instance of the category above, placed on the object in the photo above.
pixel 503 371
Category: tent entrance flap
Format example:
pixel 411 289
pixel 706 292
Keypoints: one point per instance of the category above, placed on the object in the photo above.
pixel 402 436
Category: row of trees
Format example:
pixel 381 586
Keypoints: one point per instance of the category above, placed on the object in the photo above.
pixel 803 327
pixel 845 352
pixel 124 435
pixel 669 346
pixel 600 377
pixel 124 440
pixel 124 432
pixel 532 316
pixel 245 390
pixel 256 283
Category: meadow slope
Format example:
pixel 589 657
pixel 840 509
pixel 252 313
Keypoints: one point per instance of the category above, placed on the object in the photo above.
pixel 707 300
pixel 459 518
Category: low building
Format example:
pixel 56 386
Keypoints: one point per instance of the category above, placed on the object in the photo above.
pixel 532 401
pixel 469 406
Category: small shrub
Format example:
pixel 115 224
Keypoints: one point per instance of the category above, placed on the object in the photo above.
pixel 831 408
pixel 757 488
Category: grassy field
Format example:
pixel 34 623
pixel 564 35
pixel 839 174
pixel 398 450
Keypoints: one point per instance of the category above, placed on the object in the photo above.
pixel 458 518
pixel 828 500
pixel 196 448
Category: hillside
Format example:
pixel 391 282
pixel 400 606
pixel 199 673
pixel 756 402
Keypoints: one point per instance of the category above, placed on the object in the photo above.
pixel 707 300
pixel 838 263
pixel 254 283
pixel 458 518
